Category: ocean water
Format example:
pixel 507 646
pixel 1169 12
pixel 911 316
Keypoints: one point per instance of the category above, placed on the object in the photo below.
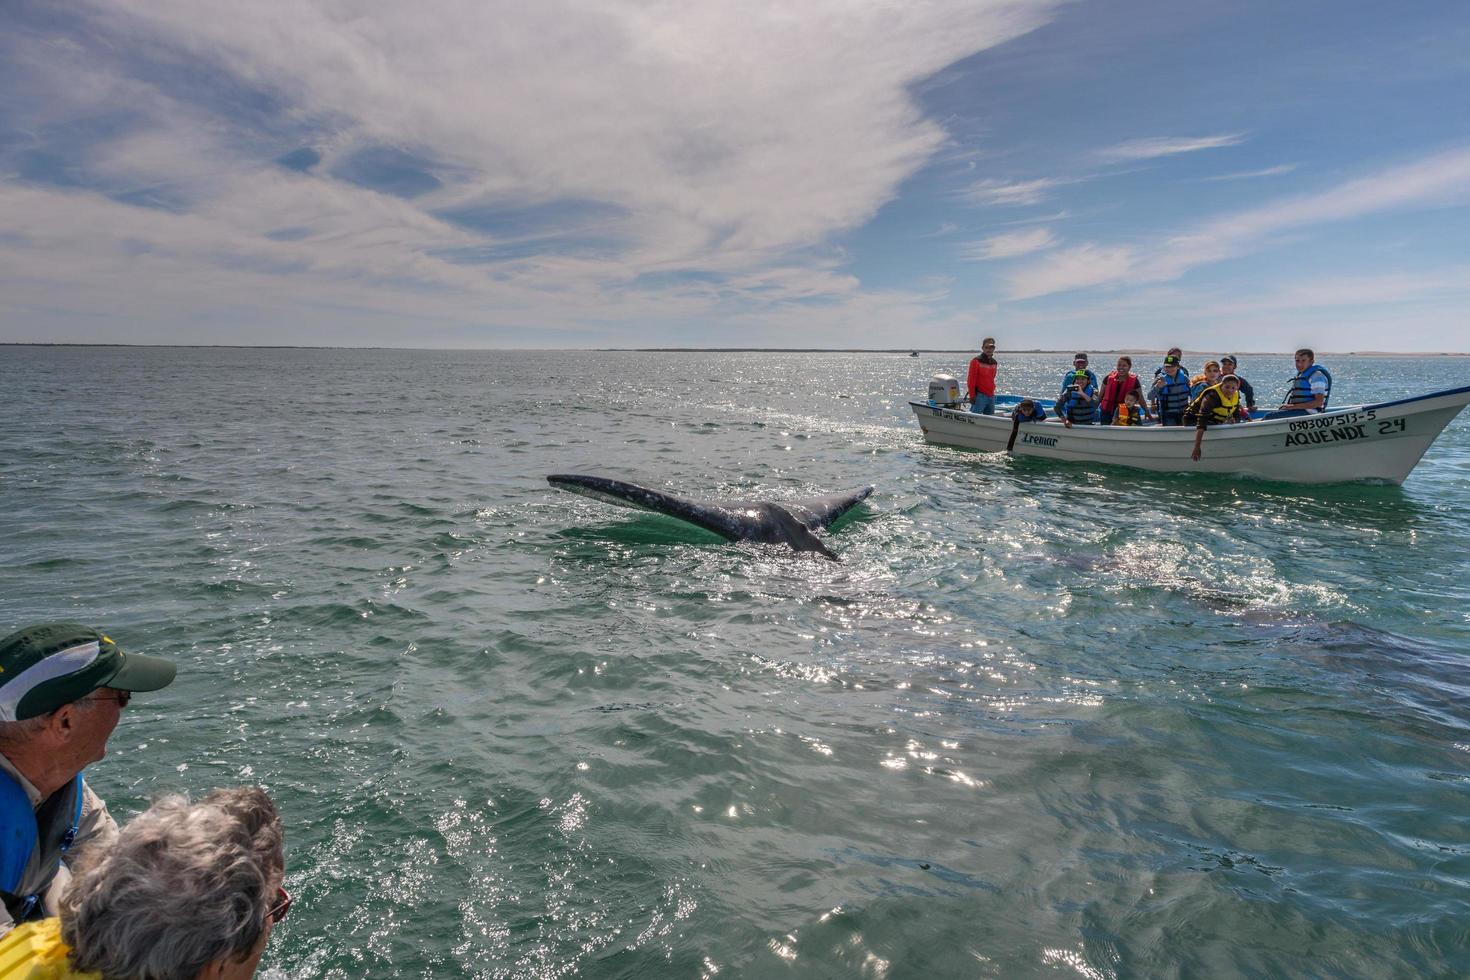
pixel 1041 720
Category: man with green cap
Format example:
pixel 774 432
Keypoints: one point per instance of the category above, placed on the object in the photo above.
pixel 62 689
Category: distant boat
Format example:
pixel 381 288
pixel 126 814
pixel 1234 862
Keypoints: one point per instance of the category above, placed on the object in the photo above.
pixel 1380 443
pixel 914 354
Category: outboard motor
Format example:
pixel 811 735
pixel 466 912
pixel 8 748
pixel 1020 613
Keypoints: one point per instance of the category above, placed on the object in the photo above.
pixel 944 391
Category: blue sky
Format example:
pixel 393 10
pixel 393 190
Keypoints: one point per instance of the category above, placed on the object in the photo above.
pixel 823 173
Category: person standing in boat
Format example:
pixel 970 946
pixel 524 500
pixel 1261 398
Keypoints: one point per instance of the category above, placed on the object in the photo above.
pixel 1116 387
pixel 1078 403
pixel 1310 389
pixel 1228 364
pixel 1217 405
pixel 981 382
pixel 1170 394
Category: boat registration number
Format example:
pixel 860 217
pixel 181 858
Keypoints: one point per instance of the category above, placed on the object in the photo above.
pixel 1328 421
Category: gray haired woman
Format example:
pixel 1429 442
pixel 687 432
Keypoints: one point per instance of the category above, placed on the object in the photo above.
pixel 190 891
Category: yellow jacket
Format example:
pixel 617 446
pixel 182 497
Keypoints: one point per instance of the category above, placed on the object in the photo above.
pixel 34 951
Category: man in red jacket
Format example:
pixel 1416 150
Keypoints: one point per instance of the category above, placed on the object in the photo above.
pixel 981 381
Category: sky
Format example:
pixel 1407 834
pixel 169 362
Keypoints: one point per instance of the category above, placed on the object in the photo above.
pixel 813 173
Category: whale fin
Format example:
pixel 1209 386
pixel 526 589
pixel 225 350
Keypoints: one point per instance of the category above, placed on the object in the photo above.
pixel 734 520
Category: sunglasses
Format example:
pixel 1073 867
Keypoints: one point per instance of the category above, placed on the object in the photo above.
pixel 282 906
pixel 121 697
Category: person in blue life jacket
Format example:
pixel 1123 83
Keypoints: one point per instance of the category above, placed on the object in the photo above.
pixel 1228 365
pixel 1078 403
pixel 1028 411
pixel 1170 393
pixel 62 689
pixel 1178 356
pixel 1079 363
pixel 1310 390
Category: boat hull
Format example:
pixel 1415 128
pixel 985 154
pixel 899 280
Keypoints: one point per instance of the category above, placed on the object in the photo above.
pixel 1377 443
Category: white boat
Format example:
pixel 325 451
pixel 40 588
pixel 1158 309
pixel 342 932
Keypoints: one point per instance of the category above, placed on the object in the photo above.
pixel 1379 443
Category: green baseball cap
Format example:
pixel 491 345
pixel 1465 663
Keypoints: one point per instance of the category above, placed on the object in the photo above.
pixel 47 666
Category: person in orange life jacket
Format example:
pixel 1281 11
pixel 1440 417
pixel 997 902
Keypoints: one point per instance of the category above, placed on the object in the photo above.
pixel 981 381
pixel 62 689
pixel 1078 404
pixel 1228 364
pixel 1208 379
pixel 1310 389
pixel 1170 392
pixel 1217 405
pixel 1116 387
pixel 1029 411
pixel 1131 412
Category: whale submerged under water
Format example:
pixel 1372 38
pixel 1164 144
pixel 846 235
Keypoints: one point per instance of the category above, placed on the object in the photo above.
pixel 791 523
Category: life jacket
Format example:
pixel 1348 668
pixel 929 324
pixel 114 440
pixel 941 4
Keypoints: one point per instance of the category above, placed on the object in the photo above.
pixel 1173 397
pixel 1115 389
pixel 1081 412
pixel 1225 410
pixel 51 829
pixel 1128 415
pixel 35 951
pixel 981 378
pixel 1300 392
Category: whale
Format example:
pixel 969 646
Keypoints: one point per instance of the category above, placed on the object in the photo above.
pixel 792 523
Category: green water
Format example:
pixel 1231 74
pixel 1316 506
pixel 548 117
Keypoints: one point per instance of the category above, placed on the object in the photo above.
pixel 1042 719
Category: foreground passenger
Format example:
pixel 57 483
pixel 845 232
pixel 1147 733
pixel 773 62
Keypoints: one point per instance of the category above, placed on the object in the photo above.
pixel 1078 404
pixel 1228 365
pixel 1028 411
pixel 1170 394
pixel 1217 405
pixel 62 690
pixel 1116 388
pixel 190 891
pixel 1310 389
pixel 981 380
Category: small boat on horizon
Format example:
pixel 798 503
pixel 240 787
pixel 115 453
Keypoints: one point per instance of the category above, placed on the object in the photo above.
pixel 1381 442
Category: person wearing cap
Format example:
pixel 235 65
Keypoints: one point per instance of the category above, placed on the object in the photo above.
pixel 1170 392
pixel 1178 356
pixel 1079 364
pixel 1228 364
pixel 1078 402
pixel 62 690
pixel 1217 405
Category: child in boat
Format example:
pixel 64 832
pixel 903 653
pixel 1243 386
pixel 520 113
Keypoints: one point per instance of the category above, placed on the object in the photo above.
pixel 1029 411
pixel 1131 411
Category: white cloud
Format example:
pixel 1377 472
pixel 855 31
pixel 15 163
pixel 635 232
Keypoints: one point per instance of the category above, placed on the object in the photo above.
pixel 1275 171
pixel 1012 192
pixel 1443 179
pixel 1008 245
pixel 715 139
pixel 1164 146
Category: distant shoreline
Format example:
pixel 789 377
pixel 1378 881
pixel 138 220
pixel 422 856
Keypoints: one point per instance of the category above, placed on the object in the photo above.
pixel 903 351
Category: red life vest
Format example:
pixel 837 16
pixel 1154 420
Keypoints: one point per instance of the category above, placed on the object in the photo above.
pixel 1114 391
